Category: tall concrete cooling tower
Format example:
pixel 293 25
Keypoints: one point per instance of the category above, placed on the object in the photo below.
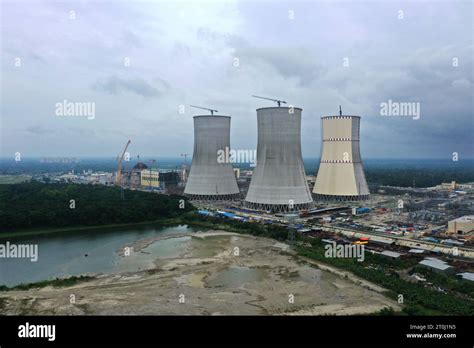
pixel 279 182
pixel 341 174
pixel 208 178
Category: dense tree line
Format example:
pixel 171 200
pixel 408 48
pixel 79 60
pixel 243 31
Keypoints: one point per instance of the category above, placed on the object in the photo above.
pixel 35 205
pixel 420 177
pixel 405 173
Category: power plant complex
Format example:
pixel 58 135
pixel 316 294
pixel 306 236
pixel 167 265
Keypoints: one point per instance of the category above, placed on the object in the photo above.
pixel 278 182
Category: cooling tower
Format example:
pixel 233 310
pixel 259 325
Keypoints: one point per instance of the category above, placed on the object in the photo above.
pixel 279 181
pixel 341 175
pixel 208 178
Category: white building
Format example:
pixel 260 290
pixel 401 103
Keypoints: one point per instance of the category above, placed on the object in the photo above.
pixel 462 225
pixel 436 265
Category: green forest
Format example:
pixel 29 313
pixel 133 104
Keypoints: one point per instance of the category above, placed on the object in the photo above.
pixel 409 177
pixel 36 205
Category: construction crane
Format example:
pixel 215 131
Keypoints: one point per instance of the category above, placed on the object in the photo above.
pixel 200 107
pixel 279 102
pixel 185 155
pixel 185 167
pixel 118 177
pixel 152 163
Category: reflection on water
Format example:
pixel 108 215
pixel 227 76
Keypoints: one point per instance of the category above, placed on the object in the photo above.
pixel 162 249
pixel 63 255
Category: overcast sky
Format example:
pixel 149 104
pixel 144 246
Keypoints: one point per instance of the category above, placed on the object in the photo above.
pixel 138 61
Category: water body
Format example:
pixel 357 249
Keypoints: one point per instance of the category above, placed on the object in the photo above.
pixel 63 255
pixel 236 276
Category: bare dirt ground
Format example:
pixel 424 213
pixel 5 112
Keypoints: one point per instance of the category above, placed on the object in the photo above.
pixel 219 273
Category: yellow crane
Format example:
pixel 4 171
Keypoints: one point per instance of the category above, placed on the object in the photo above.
pixel 118 177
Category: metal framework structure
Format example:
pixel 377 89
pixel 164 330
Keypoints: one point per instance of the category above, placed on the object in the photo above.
pixel 336 198
pixel 223 198
pixel 278 208
pixel 291 219
pixel 118 177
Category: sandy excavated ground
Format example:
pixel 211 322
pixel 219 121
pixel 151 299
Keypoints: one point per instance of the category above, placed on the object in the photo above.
pixel 211 280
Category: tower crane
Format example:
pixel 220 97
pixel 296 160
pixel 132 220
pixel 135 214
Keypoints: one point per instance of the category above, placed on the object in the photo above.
pixel 274 100
pixel 118 177
pixel 185 155
pixel 200 107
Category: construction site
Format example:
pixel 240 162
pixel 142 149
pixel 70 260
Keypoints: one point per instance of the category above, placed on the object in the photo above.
pixel 273 235
pixel 334 203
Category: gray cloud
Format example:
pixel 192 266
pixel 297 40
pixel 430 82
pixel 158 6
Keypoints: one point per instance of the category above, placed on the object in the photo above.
pixel 116 85
pixel 82 131
pixel 183 53
pixel 132 39
pixel 289 62
pixel 39 130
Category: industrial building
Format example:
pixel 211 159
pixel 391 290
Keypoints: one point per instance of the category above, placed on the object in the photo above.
pixel 150 178
pixel 278 182
pixel 462 225
pixel 467 276
pixel 391 254
pixel 209 179
pixel 448 185
pixel 132 178
pixel 341 174
pixel 436 265
pixel 141 176
pixel 170 178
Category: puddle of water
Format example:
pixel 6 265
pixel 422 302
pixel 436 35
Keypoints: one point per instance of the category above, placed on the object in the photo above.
pixel 309 274
pixel 168 248
pixel 195 280
pixel 204 248
pixel 144 259
pixel 235 276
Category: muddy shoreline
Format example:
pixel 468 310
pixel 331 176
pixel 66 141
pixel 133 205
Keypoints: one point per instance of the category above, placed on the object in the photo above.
pixel 216 273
